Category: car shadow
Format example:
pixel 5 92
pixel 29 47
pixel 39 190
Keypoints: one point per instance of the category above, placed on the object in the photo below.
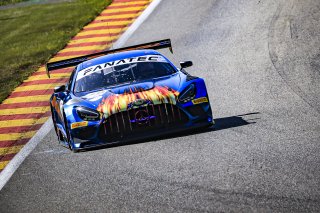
pixel 220 124
pixel 235 121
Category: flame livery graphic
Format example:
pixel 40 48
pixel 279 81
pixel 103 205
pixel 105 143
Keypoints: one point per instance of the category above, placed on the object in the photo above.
pixel 119 102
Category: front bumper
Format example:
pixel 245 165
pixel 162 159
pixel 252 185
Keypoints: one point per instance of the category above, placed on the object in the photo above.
pixel 162 120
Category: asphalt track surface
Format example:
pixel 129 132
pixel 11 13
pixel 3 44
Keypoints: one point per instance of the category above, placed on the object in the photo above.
pixel 261 62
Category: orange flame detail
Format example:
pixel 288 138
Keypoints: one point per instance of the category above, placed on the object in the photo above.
pixel 56 106
pixel 118 103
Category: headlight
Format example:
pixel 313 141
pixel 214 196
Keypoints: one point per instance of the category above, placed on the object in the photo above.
pixel 188 93
pixel 88 114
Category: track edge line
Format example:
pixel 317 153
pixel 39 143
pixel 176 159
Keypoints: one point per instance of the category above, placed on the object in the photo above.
pixel 136 24
pixel 17 160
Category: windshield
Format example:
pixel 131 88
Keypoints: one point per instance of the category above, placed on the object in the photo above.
pixel 102 76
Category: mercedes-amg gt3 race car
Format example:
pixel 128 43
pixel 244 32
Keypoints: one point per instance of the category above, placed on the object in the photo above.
pixel 126 94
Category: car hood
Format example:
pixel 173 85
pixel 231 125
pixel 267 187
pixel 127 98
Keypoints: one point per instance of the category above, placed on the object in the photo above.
pixel 135 95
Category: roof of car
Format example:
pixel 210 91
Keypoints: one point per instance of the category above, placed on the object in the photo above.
pixel 116 56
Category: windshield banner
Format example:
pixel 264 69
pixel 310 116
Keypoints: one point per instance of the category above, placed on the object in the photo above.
pixel 104 67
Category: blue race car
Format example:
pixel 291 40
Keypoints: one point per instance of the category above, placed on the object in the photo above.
pixel 126 94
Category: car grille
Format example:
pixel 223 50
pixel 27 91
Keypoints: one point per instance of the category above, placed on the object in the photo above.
pixel 140 120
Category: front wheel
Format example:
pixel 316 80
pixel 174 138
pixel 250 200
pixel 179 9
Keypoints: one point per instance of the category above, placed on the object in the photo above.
pixel 54 121
pixel 69 139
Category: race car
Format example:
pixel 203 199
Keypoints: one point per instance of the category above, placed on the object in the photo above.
pixel 126 94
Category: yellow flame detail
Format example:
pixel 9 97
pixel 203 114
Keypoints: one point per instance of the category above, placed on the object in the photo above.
pixel 117 103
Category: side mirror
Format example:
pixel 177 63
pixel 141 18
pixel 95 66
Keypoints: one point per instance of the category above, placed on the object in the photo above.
pixel 185 64
pixel 61 88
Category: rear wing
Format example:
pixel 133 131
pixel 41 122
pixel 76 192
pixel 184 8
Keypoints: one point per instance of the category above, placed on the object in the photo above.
pixel 161 44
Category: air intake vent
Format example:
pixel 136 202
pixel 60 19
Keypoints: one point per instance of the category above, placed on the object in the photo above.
pixel 141 120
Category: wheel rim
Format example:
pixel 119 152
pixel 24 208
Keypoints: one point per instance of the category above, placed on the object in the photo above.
pixel 69 138
pixel 54 122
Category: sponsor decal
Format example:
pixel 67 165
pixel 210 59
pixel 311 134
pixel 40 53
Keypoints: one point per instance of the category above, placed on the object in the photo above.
pixel 200 100
pixel 104 67
pixel 79 124
pixel 117 103
pixel 142 117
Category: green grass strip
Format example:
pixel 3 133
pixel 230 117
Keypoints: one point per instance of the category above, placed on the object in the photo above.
pixel 30 36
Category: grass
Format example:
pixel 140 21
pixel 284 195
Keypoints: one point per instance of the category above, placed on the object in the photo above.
pixel 5 2
pixel 31 35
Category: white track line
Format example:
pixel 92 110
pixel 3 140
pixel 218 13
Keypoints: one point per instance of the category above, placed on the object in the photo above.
pixel 136 24
pixel 14 164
